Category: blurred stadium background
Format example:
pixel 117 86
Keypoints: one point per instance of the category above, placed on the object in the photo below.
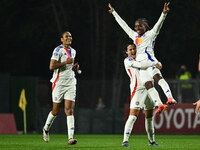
pixel 30 31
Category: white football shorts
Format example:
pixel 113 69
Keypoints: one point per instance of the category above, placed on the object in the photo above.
pixel 141 100
pixel 147 74
pixel 61 92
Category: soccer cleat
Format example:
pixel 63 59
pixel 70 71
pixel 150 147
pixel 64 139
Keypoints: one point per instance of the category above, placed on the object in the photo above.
pixel 125 144
pixel 46 135
pixel 161 109
pixel 72 141
pixel 171 101
pixel 154 144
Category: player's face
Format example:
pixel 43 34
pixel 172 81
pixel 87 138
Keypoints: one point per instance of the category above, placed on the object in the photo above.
pixel 131 51
pixel 67 38
pixel 139 28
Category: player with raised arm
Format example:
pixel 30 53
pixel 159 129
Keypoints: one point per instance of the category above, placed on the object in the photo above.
pixel 139 95
pixel 63 85
pixel 144 38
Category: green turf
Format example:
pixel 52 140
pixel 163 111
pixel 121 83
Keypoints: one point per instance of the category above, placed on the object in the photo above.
pixel 98 142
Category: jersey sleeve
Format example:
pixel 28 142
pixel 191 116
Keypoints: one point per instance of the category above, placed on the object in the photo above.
pixel 131 33
pixel 139 65
pixel 56 54
pixel 156 29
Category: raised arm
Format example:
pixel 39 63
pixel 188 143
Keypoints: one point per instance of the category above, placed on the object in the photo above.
pixel 131 33
pixel 160 21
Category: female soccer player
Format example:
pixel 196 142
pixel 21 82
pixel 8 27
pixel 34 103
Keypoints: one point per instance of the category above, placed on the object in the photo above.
pixel 144 38
pixel 63 85
pixel 139 95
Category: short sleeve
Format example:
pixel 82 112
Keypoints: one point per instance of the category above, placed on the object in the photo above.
pixel 56 54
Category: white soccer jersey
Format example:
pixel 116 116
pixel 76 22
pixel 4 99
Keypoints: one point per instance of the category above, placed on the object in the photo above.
pixel 144 43
pixel 64 75
pixel 132 69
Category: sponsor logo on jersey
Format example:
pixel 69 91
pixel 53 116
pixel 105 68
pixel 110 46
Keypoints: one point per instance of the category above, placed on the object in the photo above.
pixel 153 67
pixel 137 102
pixel 55 98
pixel 138 41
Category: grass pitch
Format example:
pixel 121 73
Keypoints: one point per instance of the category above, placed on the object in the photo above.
pixel 98 142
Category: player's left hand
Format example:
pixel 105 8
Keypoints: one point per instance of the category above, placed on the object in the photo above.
pixel 166 8
pixel 197 109
pixel 75 67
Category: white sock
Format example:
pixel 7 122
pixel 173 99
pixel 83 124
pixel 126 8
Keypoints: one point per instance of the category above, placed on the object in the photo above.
pixel 149 126
pixel 165 87
pixel 153 94
pixel 129 126
pixel 49 121
pixel 70 126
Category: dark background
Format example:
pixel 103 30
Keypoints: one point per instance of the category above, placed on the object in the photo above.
pixel 30 31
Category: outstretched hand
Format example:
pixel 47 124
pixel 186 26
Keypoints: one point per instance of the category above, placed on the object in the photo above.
pixel 111 8
pixel 166 8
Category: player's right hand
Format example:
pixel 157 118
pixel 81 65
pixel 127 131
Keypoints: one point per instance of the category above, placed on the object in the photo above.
pixel 111 8
pixel 159 65
pixel 69 60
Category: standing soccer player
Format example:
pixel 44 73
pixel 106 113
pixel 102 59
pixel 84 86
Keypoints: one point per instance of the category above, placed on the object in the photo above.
pixel 63 85
pixel 139 96
pixel 144 38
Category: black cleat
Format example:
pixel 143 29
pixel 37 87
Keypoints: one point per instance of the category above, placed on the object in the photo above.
pixel 154 144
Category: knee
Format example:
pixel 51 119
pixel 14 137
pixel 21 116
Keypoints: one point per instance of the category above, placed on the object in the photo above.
pixel 157 77
pixel 148 85
pixel 134 112
pixel 55 112
pixel 149 113
pixel 69 111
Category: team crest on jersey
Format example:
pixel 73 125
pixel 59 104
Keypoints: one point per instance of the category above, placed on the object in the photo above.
pixel 55 98
pixel 65 53
pixel 137 102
